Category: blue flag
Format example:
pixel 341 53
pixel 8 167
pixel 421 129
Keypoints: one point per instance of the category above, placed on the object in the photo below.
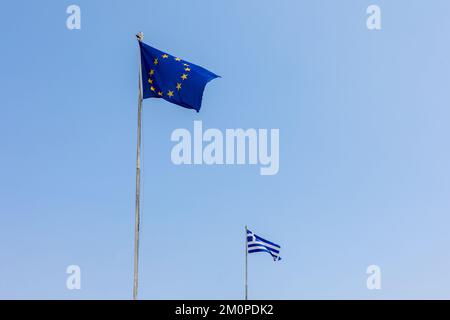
pixel 172 79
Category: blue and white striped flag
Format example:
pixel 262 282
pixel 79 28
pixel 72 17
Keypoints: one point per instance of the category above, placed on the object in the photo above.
pixel 257 244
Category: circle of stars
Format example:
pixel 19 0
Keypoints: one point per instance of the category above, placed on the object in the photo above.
pixel 178 86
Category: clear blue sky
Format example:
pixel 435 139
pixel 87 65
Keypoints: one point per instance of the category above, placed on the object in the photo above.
pixel 364 154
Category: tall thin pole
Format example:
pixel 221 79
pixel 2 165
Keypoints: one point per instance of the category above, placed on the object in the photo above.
pixel 246 264
pixel 140 37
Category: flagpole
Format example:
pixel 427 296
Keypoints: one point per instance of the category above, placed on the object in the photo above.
pixel 246 264
pixel 140 37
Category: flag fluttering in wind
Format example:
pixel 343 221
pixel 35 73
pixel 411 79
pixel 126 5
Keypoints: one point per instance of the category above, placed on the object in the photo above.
pixel 257 244
pixel 162 75
pixel 172 79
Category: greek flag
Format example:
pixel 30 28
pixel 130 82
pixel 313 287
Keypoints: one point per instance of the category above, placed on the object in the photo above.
pixel 257 244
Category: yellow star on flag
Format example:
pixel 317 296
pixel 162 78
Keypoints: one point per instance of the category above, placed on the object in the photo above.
pixel 165 56
pixel 177 59
pixel 178 86
pixel 155 61
pixel 152 88
pixel 152 72
pixel 170 94
pixel 160 94
pixel 184 76
pixel 150 81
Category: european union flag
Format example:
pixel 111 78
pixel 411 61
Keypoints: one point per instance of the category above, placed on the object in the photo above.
pixel 172 78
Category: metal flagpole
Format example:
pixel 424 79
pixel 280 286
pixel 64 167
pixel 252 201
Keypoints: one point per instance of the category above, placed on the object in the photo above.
pixel 246 264
pixel 140 37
